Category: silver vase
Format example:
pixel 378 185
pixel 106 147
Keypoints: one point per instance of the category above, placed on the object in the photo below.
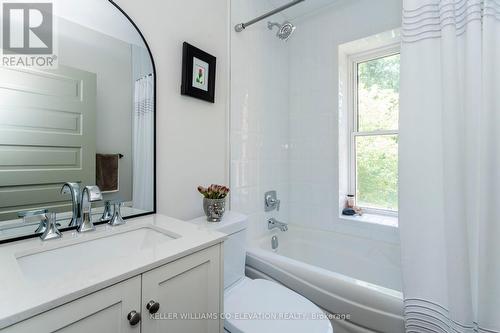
pixel 214 209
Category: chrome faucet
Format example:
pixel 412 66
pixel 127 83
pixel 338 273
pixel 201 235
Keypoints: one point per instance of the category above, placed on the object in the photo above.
pixel 74 190
pixel 272 223
pixel 89 194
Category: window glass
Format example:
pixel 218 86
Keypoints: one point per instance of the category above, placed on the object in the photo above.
pixel 378 94
pixel 377 171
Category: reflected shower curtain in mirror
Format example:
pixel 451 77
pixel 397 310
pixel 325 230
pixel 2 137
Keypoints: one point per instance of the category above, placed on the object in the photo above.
pixel 143 144
pixel 449 214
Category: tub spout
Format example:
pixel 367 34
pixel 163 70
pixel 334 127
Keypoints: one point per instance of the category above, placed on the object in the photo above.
pixel 272 223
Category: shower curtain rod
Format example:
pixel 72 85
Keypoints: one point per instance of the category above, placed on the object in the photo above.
pixel 241 26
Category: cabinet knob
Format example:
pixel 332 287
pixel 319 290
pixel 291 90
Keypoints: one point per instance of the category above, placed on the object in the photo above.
pixel 153 307
pixel 134 317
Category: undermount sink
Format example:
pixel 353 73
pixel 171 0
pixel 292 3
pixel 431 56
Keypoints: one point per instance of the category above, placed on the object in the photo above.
pixel 90 254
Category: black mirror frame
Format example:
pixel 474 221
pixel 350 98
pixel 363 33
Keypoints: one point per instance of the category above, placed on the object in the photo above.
pixel 13 239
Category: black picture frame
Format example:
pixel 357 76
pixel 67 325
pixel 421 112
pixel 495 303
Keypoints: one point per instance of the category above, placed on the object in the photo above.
pixel 190 54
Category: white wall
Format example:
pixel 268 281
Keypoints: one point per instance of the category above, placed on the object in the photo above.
pixel 192 134
pixel 259 113
pixel 313 68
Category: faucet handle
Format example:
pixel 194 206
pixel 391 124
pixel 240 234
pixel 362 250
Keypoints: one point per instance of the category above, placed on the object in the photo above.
pixel 32 215
pixel 29 213
pixel 117 218
pixel 39 215
pixel 51 231
pixel 107 213
pixel 271 201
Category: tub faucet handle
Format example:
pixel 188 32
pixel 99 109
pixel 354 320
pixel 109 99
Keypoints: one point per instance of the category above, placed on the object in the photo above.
pixel 271 201
pixel 276 203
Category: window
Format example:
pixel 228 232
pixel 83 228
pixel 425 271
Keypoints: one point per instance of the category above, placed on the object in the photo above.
pixel 373 144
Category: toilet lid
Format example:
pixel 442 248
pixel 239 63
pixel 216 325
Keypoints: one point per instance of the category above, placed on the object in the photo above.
pixel 261 306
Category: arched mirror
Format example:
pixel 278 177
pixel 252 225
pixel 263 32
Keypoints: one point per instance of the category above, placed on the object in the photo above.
pixel 77 105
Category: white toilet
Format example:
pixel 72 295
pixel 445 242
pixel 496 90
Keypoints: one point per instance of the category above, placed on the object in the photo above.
pixel 255 306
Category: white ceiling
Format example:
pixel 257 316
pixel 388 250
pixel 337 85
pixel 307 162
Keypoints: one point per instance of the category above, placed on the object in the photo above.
pixel 302 8
pixel 99 15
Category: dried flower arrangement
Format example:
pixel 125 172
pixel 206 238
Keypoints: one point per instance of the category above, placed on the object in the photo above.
pixel 214 191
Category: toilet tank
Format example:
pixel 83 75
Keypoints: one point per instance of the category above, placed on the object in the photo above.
pixel 234 225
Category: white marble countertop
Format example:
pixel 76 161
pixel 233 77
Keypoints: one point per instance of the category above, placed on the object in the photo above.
pixel 22 297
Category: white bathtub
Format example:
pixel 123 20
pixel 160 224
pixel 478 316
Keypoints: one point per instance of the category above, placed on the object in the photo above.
pixel 342 274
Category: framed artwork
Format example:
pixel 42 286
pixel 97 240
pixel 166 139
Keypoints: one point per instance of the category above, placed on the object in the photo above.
pixel 198 73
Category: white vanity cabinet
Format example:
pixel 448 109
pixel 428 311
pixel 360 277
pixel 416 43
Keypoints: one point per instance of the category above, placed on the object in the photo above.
pixel 103 311
pixel 189 286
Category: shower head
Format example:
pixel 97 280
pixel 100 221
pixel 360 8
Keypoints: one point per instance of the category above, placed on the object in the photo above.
pixel 285 30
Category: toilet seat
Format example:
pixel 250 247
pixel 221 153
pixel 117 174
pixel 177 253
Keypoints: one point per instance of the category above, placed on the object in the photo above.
pixel 261 306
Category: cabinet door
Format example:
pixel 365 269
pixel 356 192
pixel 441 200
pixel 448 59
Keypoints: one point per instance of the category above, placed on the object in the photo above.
pixel 187 290
pixel 103 311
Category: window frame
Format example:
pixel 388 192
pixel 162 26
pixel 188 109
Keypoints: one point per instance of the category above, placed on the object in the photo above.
pixel 353 61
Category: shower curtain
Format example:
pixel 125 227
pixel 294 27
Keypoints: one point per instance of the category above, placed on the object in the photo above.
pixel 143 179
pixel 450 165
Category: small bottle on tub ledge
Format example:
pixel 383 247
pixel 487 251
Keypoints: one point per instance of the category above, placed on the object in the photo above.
pixel 350 208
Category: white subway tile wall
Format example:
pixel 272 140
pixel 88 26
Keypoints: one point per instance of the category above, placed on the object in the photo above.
pixel 259 113
pixel 284 113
